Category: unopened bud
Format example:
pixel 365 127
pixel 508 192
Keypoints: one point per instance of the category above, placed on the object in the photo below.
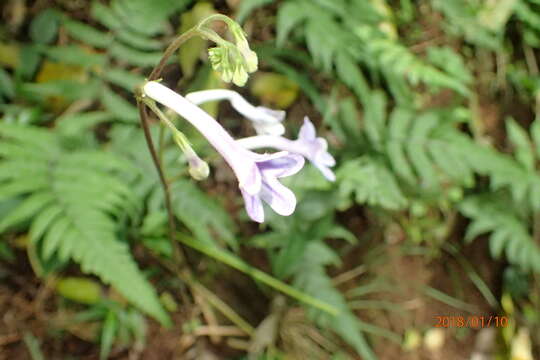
pixel 198 168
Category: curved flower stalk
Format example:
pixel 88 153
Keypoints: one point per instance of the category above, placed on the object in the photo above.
pixel 308 145
pixel 265 121
pixel 257 174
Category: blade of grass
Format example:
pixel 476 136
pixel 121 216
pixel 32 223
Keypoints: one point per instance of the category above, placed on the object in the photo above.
pixel 32 344
pixel 229 259
pixel 449 300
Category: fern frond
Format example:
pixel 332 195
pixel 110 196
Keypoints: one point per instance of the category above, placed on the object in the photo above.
pixel 71 199
pixel 311 277
pixel 509 234
pixel 371 182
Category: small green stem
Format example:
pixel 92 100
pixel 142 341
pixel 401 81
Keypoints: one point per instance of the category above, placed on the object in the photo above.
pixel 152 105
pixel 232 261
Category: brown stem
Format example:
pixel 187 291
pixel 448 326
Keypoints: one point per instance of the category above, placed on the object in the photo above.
pixel 143 114
pixel 178 253
pixel 171 49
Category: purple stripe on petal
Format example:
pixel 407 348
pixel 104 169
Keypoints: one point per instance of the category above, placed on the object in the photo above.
pixel 283 166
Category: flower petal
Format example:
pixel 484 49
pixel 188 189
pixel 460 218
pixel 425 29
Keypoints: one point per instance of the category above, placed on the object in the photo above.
pixel 254 206
pixel 278 196
pixel 327 173
pixel 249 177
pixel 283 166
pixel 263 128
pixel 307 131
pixel 271 115
pixel 327 159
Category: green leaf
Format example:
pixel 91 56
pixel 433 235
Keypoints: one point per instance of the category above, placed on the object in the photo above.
pixel 68 89
pixel 118 106
pixel 248 6
pixel 290 14
pixel 201 214
pixel 26 209
pixel 87 34
pixel 80 123
pixel 81 194
pixel 42 222
pixel 108 334
pixel 124 53
pixel 146 17
pixel 420 133
pixel 138 41
pixel 522 145
pixel 105 16
pixel 125 79
pixel 44 27
pixel 7 87
pixel 399 124
pixel 75 55
pixel 535 133
pixel 374 118
pixel 371 182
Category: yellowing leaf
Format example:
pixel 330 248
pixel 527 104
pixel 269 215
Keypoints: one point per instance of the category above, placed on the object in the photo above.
pixel 274 89
pixel 79 289
pixel 52 71
pixel 9 55
pixel 191 51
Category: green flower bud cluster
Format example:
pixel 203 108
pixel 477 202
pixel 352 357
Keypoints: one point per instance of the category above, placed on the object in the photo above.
pixel 233 61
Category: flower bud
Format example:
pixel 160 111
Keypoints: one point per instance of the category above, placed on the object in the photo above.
pixel 198 168
pixel 250 57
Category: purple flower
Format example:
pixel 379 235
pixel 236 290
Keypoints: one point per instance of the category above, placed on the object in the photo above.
pixel 308 145
pixel 257 174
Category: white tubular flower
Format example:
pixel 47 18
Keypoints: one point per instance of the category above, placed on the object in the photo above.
pixel 265 121
pixel 257 174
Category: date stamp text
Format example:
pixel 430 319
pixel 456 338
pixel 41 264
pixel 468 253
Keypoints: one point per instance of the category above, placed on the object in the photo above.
pixel 472 321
